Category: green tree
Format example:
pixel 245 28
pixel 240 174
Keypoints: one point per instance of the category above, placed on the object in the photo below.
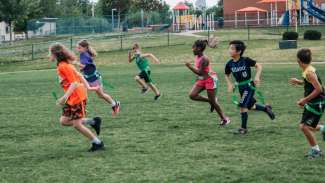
pixel 11 11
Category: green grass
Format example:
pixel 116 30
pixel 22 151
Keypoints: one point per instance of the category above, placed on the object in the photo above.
pixel 172 140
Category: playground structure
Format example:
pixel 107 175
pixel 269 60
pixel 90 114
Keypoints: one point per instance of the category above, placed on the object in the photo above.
pixel 276 13
pixel 182 20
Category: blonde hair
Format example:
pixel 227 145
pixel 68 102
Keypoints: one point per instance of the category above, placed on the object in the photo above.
pixel 85 44
pixel 61 53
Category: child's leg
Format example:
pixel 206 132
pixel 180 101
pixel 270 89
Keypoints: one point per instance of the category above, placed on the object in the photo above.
pixel 65 121
pixel 309 134
pixel 154 89
pixel 100 92
pixel 244 117
pixel 214 103
pixel 194 94
pixel 140 82
pixel 78 125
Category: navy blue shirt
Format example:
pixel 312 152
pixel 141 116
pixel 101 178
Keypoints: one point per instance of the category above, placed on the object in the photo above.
pixel 90 67
pixel 241 70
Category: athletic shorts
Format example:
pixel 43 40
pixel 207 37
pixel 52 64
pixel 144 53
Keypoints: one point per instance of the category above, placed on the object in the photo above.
pixel 311 119
pixel 96 83
pixel 247 97
pixel 209 83
pixel 74 112
pixel 146 76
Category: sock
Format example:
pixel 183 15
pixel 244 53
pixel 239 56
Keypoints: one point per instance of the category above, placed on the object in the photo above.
pixel 113 103
pixel 260 107
pixel 96 141
pixel 322 128
pixel 316 147
pixel 244 118
pixel 88 121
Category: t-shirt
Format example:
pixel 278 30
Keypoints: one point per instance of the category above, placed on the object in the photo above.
pixel 89 71
pixel 241 70
pixel 142 63
pixel 68 75
pixel 309 88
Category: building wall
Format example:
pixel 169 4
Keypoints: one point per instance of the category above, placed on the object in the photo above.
pixel 5 32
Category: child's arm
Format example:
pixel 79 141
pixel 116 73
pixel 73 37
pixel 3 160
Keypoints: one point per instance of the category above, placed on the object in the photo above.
pixel 151 56
pixel 295 81
pixel 257 79
pixel 78 64
pixel 199 72
pixel 229 83
pixel 131 58
pixel 84 81
pixel 67 94
pixel 312 78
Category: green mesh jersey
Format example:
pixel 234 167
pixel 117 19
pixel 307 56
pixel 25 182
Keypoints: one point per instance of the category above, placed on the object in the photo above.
pixel 142 63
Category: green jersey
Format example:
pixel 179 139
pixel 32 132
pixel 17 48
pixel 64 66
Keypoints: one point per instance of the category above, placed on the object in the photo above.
pixel 142 63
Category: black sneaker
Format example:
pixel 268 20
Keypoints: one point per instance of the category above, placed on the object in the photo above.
pixel 157 97
pixel 116 108
pixel 323 135
pixel 268 110
pixel 144 90
pixel 96 126
pixel 241 131
pixel 96 147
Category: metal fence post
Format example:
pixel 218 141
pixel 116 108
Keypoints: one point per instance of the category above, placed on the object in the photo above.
pixel 33 56
pixel 121 41
pixel 71 42
pixel 248 33
pixel 168 38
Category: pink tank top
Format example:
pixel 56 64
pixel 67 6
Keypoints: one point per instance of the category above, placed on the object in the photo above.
pixel 198 61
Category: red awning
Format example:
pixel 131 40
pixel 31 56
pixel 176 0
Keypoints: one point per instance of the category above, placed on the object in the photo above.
pixel 181 6
pixel 272 1
pixel 251 9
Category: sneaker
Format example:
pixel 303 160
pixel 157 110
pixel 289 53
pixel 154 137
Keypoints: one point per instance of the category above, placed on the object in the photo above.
pixel 96 125
pixel 225 122
pixel 157 97
pixel 96 147
pixel 312 154
pixel 241 131
pixel 270 112
pixel 144 90
pixel 116 108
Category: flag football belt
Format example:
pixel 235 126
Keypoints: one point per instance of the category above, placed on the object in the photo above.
pixel 96 73
pixel 259 94
pixel 311 107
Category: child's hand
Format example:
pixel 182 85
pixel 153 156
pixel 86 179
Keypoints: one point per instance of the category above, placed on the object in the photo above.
pixel 257 81
pixel 188 64
pixel 230 88
pixel 301 103
pixel 294 81
pixel 61 101
pixel 95 88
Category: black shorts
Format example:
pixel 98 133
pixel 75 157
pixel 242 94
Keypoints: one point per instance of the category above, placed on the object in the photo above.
pixel 311 119
pixel 247 97
pixel 146 76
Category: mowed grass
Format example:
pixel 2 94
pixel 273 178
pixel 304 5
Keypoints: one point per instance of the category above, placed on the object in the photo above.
pixel 171 140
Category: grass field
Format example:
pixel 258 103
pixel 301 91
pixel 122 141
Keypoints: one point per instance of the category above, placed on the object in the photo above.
pixel 172 140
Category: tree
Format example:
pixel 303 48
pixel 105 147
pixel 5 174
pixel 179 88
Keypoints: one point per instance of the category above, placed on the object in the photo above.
pixel 11 11
pixel 148 5
pixel 32 10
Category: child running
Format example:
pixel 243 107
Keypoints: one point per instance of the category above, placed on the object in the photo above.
pixel 75 97
pixel 91 74
pixel 144 77
pixel 240 67
pixel 313 101
pixel 207 80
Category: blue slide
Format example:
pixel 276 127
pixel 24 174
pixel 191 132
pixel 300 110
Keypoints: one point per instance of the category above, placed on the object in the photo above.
pixel 315 11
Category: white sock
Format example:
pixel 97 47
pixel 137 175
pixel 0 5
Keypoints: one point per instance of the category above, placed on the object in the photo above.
pixel 316 147
pixel 88 121
pixel 96 141
pixel 322 128
pixel 113 103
